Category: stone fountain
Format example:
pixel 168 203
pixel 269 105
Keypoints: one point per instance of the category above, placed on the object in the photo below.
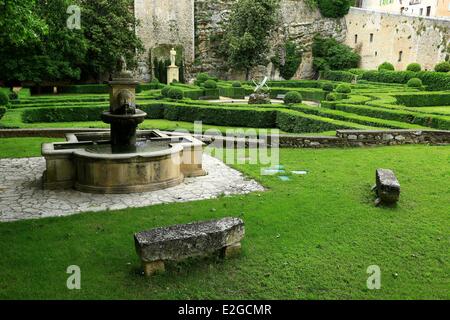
pixel 123 160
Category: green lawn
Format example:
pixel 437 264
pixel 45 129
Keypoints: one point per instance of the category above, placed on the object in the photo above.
pixel 309 238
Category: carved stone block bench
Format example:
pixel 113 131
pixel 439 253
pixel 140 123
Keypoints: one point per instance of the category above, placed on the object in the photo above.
pixel 178 242
pixel 387 187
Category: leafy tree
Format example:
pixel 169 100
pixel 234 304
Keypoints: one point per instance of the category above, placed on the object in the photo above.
pixel 19 23
pixel 245 43
pixel 51 56
pixel 109 28
pixel 332 55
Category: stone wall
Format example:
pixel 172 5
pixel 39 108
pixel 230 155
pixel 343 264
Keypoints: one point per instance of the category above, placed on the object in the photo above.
pixel 165 23
pixel 399 39
pixel 365 138
pixel 298 23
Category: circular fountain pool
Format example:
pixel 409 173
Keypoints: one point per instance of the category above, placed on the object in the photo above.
pixel 155 165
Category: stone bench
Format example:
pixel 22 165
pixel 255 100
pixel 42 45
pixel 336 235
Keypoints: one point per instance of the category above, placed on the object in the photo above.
pixel 387 187
pixel 281 96
pixel 178 242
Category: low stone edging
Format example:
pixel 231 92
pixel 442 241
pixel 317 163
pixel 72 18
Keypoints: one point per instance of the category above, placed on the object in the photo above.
pixel 343 138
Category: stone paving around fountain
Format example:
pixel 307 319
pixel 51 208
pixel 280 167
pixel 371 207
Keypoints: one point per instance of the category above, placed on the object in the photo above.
pixel 22 196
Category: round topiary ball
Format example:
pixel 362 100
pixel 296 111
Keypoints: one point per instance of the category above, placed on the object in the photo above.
pixel 4 99
pixel 236 84
pixel 414 67
pixel 293 97
pixel 442 67
pixel 165 91
pixel 332 97
pixel 155 80
pixel 210 84
pixel 386 66
pixel 414 83
pixel 202 77
pixel 328 87
pixel 176 94
pixel 344 88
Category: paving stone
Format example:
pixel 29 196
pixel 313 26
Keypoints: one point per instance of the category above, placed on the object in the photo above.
pixel 22 197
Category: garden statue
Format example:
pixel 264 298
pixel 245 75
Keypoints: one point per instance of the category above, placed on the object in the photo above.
pixel 261 93
pixel 173 57
pixel 173 72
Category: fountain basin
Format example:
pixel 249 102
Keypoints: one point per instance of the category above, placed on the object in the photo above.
pixel 87 163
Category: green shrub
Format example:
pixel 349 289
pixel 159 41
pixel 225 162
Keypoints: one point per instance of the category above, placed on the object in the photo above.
pixel 165 91
pixel 232 92
pixel 344 88
pixel 332 97
pixel 211 94
pixel 424 99
pixel 414 67
pixel 433 121
pixel 4 98
pixel 435 81
pixel 293 97
pixel 343 76
pixel 415 83
pixel 334 8
pixel 442 67
pixel 2 111
pixel 236 84
pixel 328 87
pixel 386 66
pixel 329 54
pixel 210 84
pixel 175 93
pixel 202 77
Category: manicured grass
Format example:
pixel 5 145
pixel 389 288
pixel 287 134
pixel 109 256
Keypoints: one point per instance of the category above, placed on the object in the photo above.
pixel 23 147
pixel 309 238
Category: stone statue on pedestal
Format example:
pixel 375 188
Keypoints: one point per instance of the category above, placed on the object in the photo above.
pixel 173 57
pixel 173 71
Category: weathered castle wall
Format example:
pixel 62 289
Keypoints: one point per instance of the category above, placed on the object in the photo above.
pixel 298 23
pixel 165 22
pixel 397 38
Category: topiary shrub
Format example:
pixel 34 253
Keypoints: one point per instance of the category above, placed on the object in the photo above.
pixel 4 98
pixel 236 84
pixel 175 93
pixel 210 84
pixel 332 97
pixel 13 95
pixel 165 91
pixel 333 8
pixel 386 66
pixel 442 67
pixel 155 81
pixel 344 88
pixel 414 67
pixel 293 97
pixel 202 77
pixel 415 83
pixel 328 87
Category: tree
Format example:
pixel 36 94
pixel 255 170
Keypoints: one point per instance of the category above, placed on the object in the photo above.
pixel 109 28
pixel 245 44
pixel 330 54
pixel 36 44
pixel 50 56
pixel 19 23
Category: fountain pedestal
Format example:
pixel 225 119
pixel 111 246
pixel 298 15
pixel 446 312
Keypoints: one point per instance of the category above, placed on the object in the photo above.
pixel 123 130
